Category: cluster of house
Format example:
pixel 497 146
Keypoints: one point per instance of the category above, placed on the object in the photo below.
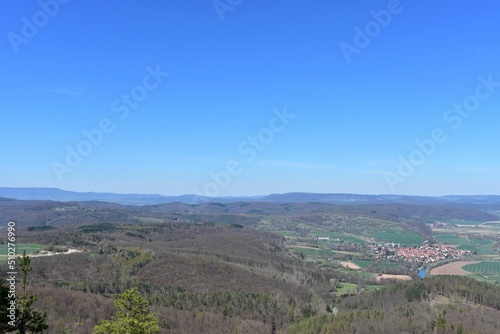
pixel 419 254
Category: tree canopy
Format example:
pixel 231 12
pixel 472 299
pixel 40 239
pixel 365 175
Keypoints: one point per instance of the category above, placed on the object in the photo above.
pixel 133 316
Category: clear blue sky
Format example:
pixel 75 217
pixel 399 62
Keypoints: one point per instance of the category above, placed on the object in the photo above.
pixel 356 113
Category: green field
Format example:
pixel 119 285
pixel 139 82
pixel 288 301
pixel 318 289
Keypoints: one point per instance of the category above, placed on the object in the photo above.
pixel 336 237
pixel 486 278
pixel 363 263
pixel 465 222
pixel 405 238
pixel 388 265
pixel 484 247
pixel 358 273
pixel 482 242
pixel 478 278
pixel 484 268
pixel 30 248
pixel 451 239
pixel 347 289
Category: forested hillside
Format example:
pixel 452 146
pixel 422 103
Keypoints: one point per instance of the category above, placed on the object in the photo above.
pixel 195 276
pixel 445 304
pixel 31 213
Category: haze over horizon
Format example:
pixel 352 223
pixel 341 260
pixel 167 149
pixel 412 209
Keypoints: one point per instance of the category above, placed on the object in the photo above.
pixel 173 98
pixel 41 189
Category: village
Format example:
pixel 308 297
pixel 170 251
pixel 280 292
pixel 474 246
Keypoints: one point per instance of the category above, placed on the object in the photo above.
pixel 427 253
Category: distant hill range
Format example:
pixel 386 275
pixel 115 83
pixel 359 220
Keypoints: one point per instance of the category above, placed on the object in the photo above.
pixel 296 197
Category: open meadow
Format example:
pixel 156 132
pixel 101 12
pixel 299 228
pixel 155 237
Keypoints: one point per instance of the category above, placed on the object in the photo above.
pixel 30 249
pixel 405 238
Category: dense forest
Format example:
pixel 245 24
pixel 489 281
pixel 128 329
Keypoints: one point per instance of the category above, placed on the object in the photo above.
pixel 42 213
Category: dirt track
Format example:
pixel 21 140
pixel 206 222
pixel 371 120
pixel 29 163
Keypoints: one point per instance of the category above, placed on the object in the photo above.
pixel 45 253
pixel 454 268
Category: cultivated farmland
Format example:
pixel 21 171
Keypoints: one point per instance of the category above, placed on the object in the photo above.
pixel 406 238
pixel 484 268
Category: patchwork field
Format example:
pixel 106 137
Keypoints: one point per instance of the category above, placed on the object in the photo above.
pixel 454 268
pixel 481 271
pixel 479 246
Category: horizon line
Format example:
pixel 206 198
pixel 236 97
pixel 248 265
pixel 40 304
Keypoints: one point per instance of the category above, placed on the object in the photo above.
pixel 255 196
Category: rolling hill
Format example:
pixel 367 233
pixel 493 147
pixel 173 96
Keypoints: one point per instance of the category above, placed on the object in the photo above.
pixel 296 197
